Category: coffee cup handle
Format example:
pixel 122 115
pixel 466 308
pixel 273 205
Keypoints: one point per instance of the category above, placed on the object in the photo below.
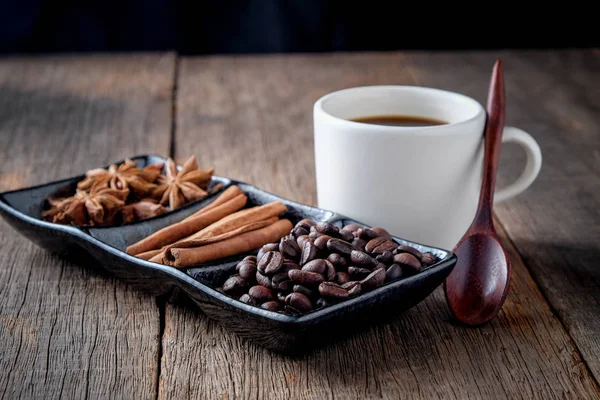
pixel 532 168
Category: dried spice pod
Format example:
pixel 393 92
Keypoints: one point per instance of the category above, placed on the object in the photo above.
pixel 141 210
pixel 100 207
pixel 140 182
pixel 178 188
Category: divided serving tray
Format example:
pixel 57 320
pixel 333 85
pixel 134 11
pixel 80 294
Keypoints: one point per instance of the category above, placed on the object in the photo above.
pixel 105 246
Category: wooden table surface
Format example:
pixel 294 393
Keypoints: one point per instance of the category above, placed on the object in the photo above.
pixel 68 332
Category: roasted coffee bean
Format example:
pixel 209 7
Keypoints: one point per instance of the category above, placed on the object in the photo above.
pixel 298 301
pixel 327 229
pixel 270 263
pixel 351 227
pixel 263 280
pixel 250 258
pixel 373 243
pixel 299 231
pixel 285 286
pixel 247 270
pixel 382 232
pixel 341 278
pixel 315 235
pixel 304 225
pixel 359 244
pixel 393 272
pixel 260 254
pixel 260 293
pixel 428 258
pixel 366 234
pixel 388 245
pixel 265 249
pixel 353 287
pixel 375 279
pixel 408 249
pixel 244 262
pixel 362 259
pixel 301 240
pixel 271 306
pixel 289 248
pixel 329 273
pixel 317 266
pixel 337 260
pixel 235 285
pixel 358 273
pixel 281 297
pixel 333 291
pixel 408 262
pixel 339 246
pixel 321 242
pixel 386 257
pixel 309 253
pixel 322 303
pixel 288 266
pixel 346 235
pixel 281 281
pixel 271 247
pixel 305 291
pixel 307 221
pixel 305 277
pixel 247 299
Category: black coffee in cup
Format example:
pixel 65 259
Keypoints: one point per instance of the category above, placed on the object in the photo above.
pixel 399 120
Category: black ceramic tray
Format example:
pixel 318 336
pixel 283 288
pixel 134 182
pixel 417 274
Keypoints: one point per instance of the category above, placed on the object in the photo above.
pixel 105 246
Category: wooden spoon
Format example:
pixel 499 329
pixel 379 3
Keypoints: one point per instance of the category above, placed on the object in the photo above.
pixel 479 282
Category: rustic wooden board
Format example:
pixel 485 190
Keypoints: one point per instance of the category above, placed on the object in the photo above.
pixel 251 117
pixel 556 224
pixel 67 331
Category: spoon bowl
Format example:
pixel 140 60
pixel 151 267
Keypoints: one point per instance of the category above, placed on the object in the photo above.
pixel 475 291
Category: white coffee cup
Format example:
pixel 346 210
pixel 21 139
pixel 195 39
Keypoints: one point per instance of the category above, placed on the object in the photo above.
pixel 420 183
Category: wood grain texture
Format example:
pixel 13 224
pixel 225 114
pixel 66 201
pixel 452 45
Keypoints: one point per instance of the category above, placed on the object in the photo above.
pixel 66 331
pixel 556 223
pixel 251 117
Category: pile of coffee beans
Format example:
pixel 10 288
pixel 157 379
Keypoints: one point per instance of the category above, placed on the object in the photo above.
pixel 318 264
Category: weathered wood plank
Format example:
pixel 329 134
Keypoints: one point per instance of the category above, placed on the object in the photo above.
pixel 68 332
pixel 556 224
pixel 251 117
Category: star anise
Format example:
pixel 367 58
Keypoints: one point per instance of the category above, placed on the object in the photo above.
pixel 126 176
pixel 102 206
pixel 142 210
pixel 178 188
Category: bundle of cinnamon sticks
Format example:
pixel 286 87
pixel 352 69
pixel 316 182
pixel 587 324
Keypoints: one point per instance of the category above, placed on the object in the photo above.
pixel 223 228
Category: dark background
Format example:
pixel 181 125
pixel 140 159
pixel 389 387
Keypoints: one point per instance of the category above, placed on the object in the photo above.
pixel 275 26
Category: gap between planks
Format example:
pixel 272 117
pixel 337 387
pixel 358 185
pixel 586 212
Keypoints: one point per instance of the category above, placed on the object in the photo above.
pixel 161 301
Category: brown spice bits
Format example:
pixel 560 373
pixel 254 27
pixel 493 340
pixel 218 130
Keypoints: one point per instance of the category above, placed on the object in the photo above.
pixel 125 193
pixel 180 187
pixel 125 176
pixel 99 207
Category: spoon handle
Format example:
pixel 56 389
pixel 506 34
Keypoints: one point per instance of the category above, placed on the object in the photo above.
pixel 496 110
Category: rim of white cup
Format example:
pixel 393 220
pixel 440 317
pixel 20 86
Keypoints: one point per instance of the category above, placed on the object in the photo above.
pixel 434 129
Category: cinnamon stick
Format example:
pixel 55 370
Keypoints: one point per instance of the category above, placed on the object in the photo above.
pixel 147 255
pixel 240 218
pixel 158 255
pixel 188 226
pixel 227 195
pixel 184 257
